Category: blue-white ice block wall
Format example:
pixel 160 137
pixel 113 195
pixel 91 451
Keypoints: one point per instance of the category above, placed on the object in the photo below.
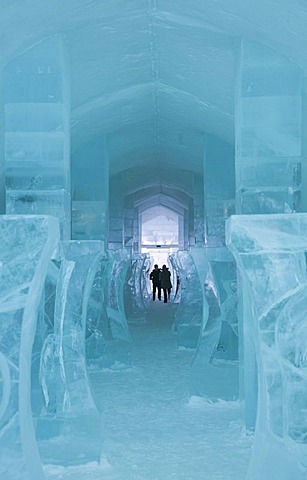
pixel 90 191
pixel 268 120
pixel 36 94
pixel 219 188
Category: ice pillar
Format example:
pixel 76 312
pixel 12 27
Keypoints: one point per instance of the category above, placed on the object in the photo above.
pixel 37 139
pixel 270 253
pixel 90 187
pixel 27 244
pixel 116 220
pixel 219 188
pixel 198 198
pixel 129 217
pixel 268 117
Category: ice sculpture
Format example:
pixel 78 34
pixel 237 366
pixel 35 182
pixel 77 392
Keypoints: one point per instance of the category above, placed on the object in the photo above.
pixel 270 253
pixel 70 412
pixel 27 243
pixel 120 346
pixel 116 308
pixel 97 319
pixel 45 326
pixel 214 373
pixel 136 294
pixel 225 279
pixel 189 316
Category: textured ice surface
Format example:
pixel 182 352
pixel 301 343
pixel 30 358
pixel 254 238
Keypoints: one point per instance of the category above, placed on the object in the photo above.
pixel 214 373
pixel 189 316
pixel 270 253
pixel 70 412
pixel 120 344
pixel 136 288
pixel 27 243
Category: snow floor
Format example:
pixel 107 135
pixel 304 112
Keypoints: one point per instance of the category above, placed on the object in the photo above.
pixel 152 430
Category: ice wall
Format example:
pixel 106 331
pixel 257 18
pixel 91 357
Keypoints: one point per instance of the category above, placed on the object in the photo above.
pixel 270 253
pixel 268 128
pixel 27 243
pixel 36 94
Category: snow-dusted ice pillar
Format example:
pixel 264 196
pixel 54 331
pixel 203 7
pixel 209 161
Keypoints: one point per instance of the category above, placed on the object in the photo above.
pixel 270 253
pixel 37 132
pixel 26 246
pixel 70 410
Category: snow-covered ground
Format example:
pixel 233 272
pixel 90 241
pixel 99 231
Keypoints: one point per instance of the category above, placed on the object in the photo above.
pixel 152 430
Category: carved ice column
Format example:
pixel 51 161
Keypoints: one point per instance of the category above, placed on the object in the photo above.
pixel 71 412
pixel 270 253
pixel 27 243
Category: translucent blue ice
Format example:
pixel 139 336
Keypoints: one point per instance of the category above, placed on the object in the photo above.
pixel 27 244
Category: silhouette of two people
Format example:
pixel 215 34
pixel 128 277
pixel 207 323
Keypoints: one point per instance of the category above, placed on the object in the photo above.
pixel 161 280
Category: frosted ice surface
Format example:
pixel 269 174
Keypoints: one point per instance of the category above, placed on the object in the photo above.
pixel 270 253
pixel 27 243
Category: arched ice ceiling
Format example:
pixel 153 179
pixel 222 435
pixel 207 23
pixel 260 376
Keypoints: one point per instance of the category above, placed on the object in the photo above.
pixel 153 75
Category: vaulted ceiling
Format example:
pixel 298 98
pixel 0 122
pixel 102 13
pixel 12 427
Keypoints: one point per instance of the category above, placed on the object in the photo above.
pixel 153 75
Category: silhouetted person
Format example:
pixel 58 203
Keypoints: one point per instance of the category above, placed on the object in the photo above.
pixel 156 283
pixel 166 284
